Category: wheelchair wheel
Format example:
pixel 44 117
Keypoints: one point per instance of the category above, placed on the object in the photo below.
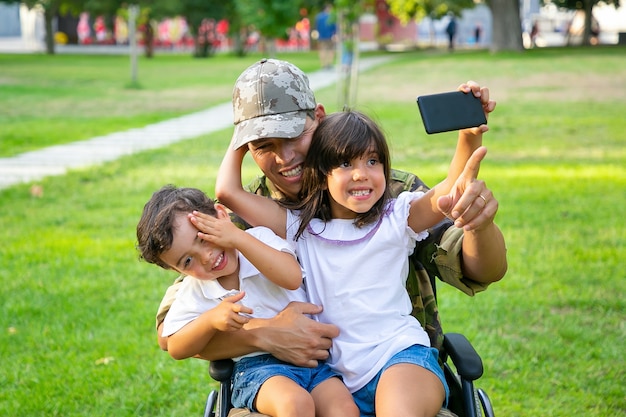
pixel 485 403
pixel 211 402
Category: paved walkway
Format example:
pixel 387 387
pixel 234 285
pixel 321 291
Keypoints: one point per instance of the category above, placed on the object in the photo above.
pixel 57 160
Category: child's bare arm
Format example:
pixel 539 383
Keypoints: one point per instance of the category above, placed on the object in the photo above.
pixel 470 139
pixel 193 337
pixel 256 210
pixel 281 268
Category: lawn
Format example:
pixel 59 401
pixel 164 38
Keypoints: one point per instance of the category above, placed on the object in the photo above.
pixel 77 330
pixel 47 100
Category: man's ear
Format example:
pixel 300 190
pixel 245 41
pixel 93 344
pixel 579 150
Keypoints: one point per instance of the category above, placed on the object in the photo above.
pixel 222 211
pixel 320 112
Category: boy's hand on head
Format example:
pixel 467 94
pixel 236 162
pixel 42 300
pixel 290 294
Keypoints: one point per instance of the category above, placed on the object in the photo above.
pixel 220 230
pixel 472 87
pixel 470 203
pixel 229 315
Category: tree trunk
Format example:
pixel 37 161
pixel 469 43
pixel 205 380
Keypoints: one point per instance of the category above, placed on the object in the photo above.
pixel 200 47
pixel 507 26
pixel 48 16
pixel 588 22
pixel 239 43
pixel 148 39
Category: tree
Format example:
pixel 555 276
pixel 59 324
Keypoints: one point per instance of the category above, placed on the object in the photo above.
pixel 406 10
pixel 348 14
pixel 587 7
pixel 51 8
pixel 272 18
pixel 200 15
pixel 507 25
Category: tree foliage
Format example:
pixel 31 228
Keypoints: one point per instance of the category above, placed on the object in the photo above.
pixel 50 10
pixel 201 16
pixel 587 7
pixel 407 10
pixel 507 28
pixel 271 18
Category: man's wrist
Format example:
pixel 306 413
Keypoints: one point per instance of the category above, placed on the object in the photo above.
pixel 255 329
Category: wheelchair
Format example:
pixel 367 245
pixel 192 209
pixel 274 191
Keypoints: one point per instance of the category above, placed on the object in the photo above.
pixel 462 366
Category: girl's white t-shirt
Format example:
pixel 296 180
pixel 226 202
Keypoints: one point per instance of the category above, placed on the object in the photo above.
pixel 358 275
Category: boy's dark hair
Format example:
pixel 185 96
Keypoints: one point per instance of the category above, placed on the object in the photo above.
pixel 155 228
pixel 340 137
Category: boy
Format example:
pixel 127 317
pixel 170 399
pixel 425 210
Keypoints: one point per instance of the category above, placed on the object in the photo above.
pixel 234 274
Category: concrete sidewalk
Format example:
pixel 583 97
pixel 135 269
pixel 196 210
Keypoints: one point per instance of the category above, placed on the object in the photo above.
pixel 57 160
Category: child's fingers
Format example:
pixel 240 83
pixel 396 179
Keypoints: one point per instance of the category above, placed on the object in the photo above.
pixel 198 218
pixel 201 215
pixel 470 172
pixel 205 224
pixel 239 320
pixel 241 309
pixel 236 306
pixel 235 297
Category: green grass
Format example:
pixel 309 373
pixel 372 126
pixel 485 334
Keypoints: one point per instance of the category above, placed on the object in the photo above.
pixel 48 100
pixel 77 335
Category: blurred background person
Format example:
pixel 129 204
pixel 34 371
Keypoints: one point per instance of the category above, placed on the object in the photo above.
pixel 326 35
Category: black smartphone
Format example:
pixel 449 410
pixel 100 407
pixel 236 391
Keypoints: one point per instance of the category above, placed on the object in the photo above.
pixel 454 110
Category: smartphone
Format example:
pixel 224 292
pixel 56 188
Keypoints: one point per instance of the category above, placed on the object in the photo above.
pixel 454 110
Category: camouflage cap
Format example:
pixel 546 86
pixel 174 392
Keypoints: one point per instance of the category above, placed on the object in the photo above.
pixel 270 100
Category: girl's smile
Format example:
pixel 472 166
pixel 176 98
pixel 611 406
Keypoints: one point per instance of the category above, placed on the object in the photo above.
pixel 355 186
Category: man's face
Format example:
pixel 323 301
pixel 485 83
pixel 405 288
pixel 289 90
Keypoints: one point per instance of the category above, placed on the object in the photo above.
pixel 281 160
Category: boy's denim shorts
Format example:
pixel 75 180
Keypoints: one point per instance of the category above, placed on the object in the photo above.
pixel 251 372
pixel 423 356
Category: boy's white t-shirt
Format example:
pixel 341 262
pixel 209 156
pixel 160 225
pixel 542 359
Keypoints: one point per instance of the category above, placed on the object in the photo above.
pixel 266 299
pixel 358 275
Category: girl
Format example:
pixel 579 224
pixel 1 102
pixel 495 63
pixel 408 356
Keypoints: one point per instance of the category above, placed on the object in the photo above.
pixel 353 241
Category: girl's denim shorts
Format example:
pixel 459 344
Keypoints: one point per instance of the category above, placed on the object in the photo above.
pixel 251 372
pixel 423 356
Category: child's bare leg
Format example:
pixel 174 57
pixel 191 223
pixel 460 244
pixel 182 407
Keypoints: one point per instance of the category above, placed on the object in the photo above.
pixel 332 399
pixel 279 396
pixel 409 390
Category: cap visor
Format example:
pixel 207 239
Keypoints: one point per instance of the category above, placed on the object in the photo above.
pixel 284 125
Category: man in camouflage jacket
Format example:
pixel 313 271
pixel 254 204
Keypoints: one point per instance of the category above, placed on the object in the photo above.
pixel 275 113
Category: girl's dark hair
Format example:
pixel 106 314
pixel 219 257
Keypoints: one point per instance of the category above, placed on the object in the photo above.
pixel 155 228
pixel 340 137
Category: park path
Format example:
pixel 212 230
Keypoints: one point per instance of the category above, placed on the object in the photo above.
pixel 57 160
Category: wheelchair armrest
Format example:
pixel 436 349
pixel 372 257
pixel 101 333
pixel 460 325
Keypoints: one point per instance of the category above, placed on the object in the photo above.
pixel 463 355
pixel 221 370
